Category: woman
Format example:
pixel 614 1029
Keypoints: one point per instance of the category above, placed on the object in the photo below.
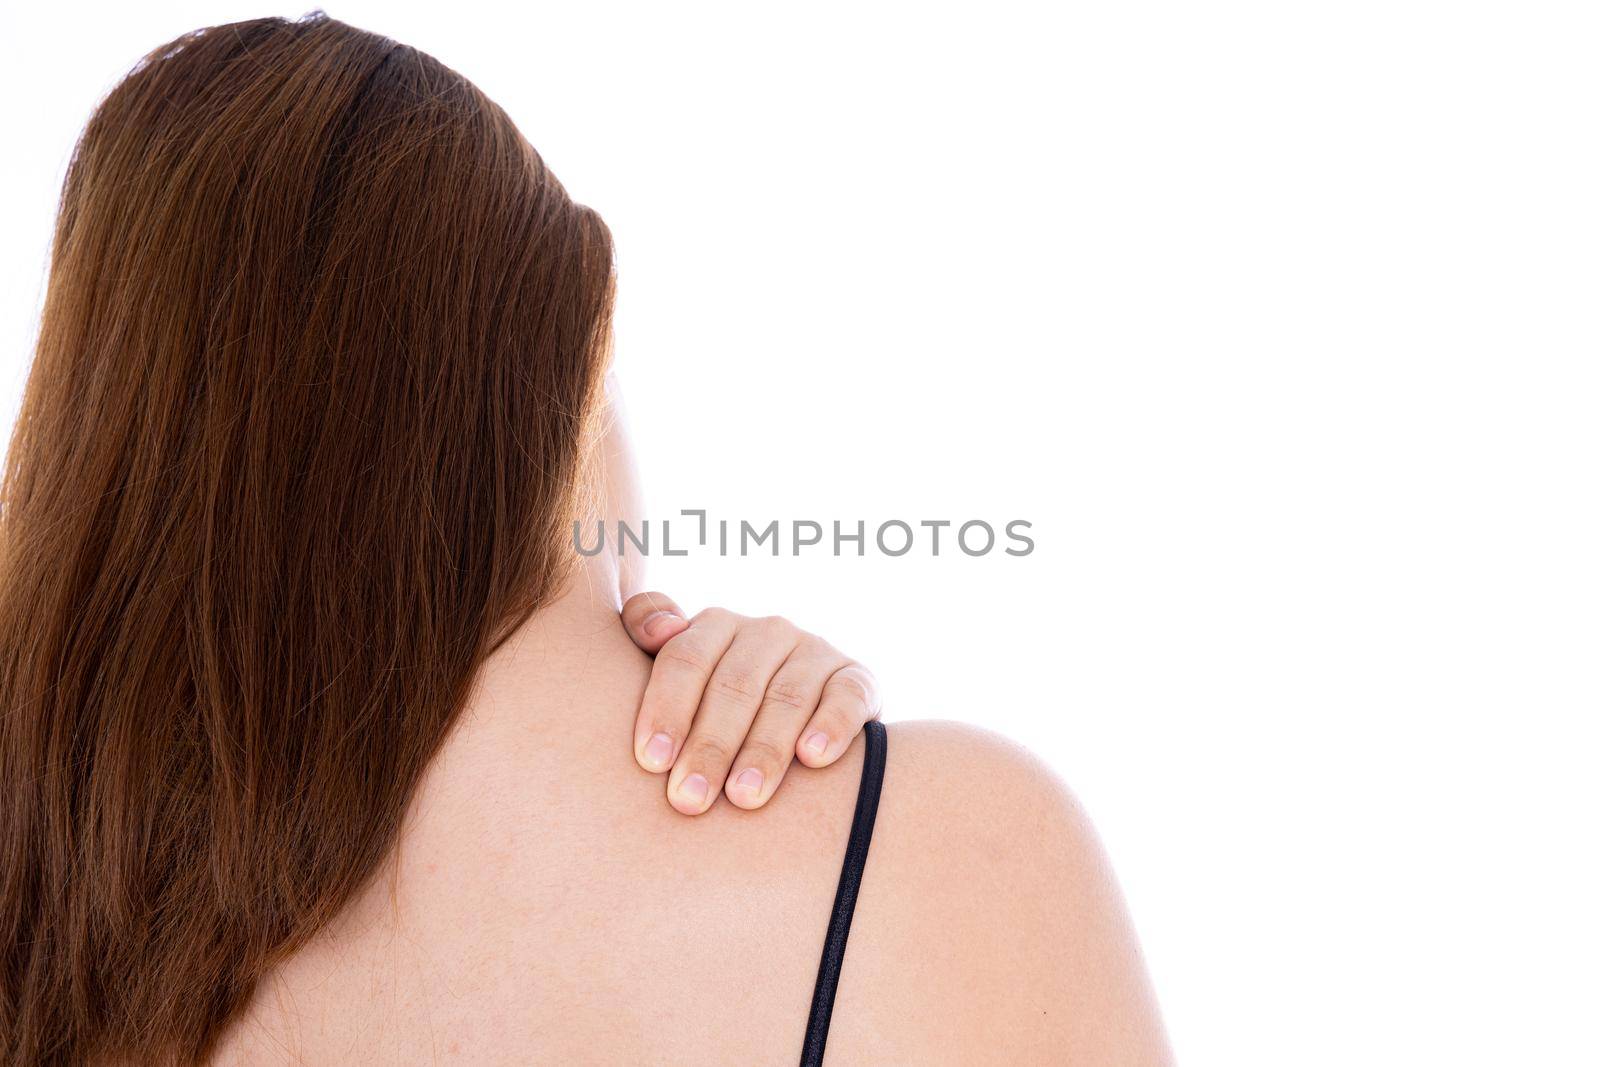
pixel 310 702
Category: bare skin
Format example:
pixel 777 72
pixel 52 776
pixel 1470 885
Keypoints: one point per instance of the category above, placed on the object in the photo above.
pixel 546 904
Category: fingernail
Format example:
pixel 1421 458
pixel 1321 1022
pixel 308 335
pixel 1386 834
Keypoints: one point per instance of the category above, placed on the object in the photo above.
pixel 694 788
pixel 750 779
pixel 658 751
pixel 657 623
pixel 817 742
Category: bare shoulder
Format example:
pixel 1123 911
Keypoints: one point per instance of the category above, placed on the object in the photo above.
pixel 990 916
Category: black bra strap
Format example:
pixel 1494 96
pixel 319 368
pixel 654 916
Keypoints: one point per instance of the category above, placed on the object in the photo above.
pixel 844 901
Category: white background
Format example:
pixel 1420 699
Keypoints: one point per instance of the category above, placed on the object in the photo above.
pixel 1279 323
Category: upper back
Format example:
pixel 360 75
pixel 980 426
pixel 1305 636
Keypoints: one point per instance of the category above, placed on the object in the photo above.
pixel 545 905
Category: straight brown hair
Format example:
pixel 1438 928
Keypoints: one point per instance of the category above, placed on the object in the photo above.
pixel 299 447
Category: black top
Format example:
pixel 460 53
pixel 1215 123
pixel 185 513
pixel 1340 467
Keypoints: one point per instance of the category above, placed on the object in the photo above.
pixel 844 901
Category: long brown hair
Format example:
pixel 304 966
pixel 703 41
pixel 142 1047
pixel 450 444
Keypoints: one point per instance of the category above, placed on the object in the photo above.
pixel 299 447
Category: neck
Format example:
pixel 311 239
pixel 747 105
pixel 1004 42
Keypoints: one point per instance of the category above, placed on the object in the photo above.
pixel 572 648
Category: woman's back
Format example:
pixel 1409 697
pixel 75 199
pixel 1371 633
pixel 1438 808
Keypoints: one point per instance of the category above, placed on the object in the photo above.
pixel 317 719
pixel 546 906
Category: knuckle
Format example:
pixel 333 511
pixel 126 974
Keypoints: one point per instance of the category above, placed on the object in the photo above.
pixel 764 753
pixel 685 655
pixel 849 685
pixel 707 752
pixel 716 615
pixel 787 693
pixel 778 626
pixel 740 683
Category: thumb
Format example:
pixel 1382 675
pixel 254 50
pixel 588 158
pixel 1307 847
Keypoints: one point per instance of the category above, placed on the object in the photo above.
pixel 652 619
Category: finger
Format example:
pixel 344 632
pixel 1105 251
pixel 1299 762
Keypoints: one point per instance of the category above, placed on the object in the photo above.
pixel 726 711
pixel 791 698
pixel 677 680
pixel 652 619
pixel 849 700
